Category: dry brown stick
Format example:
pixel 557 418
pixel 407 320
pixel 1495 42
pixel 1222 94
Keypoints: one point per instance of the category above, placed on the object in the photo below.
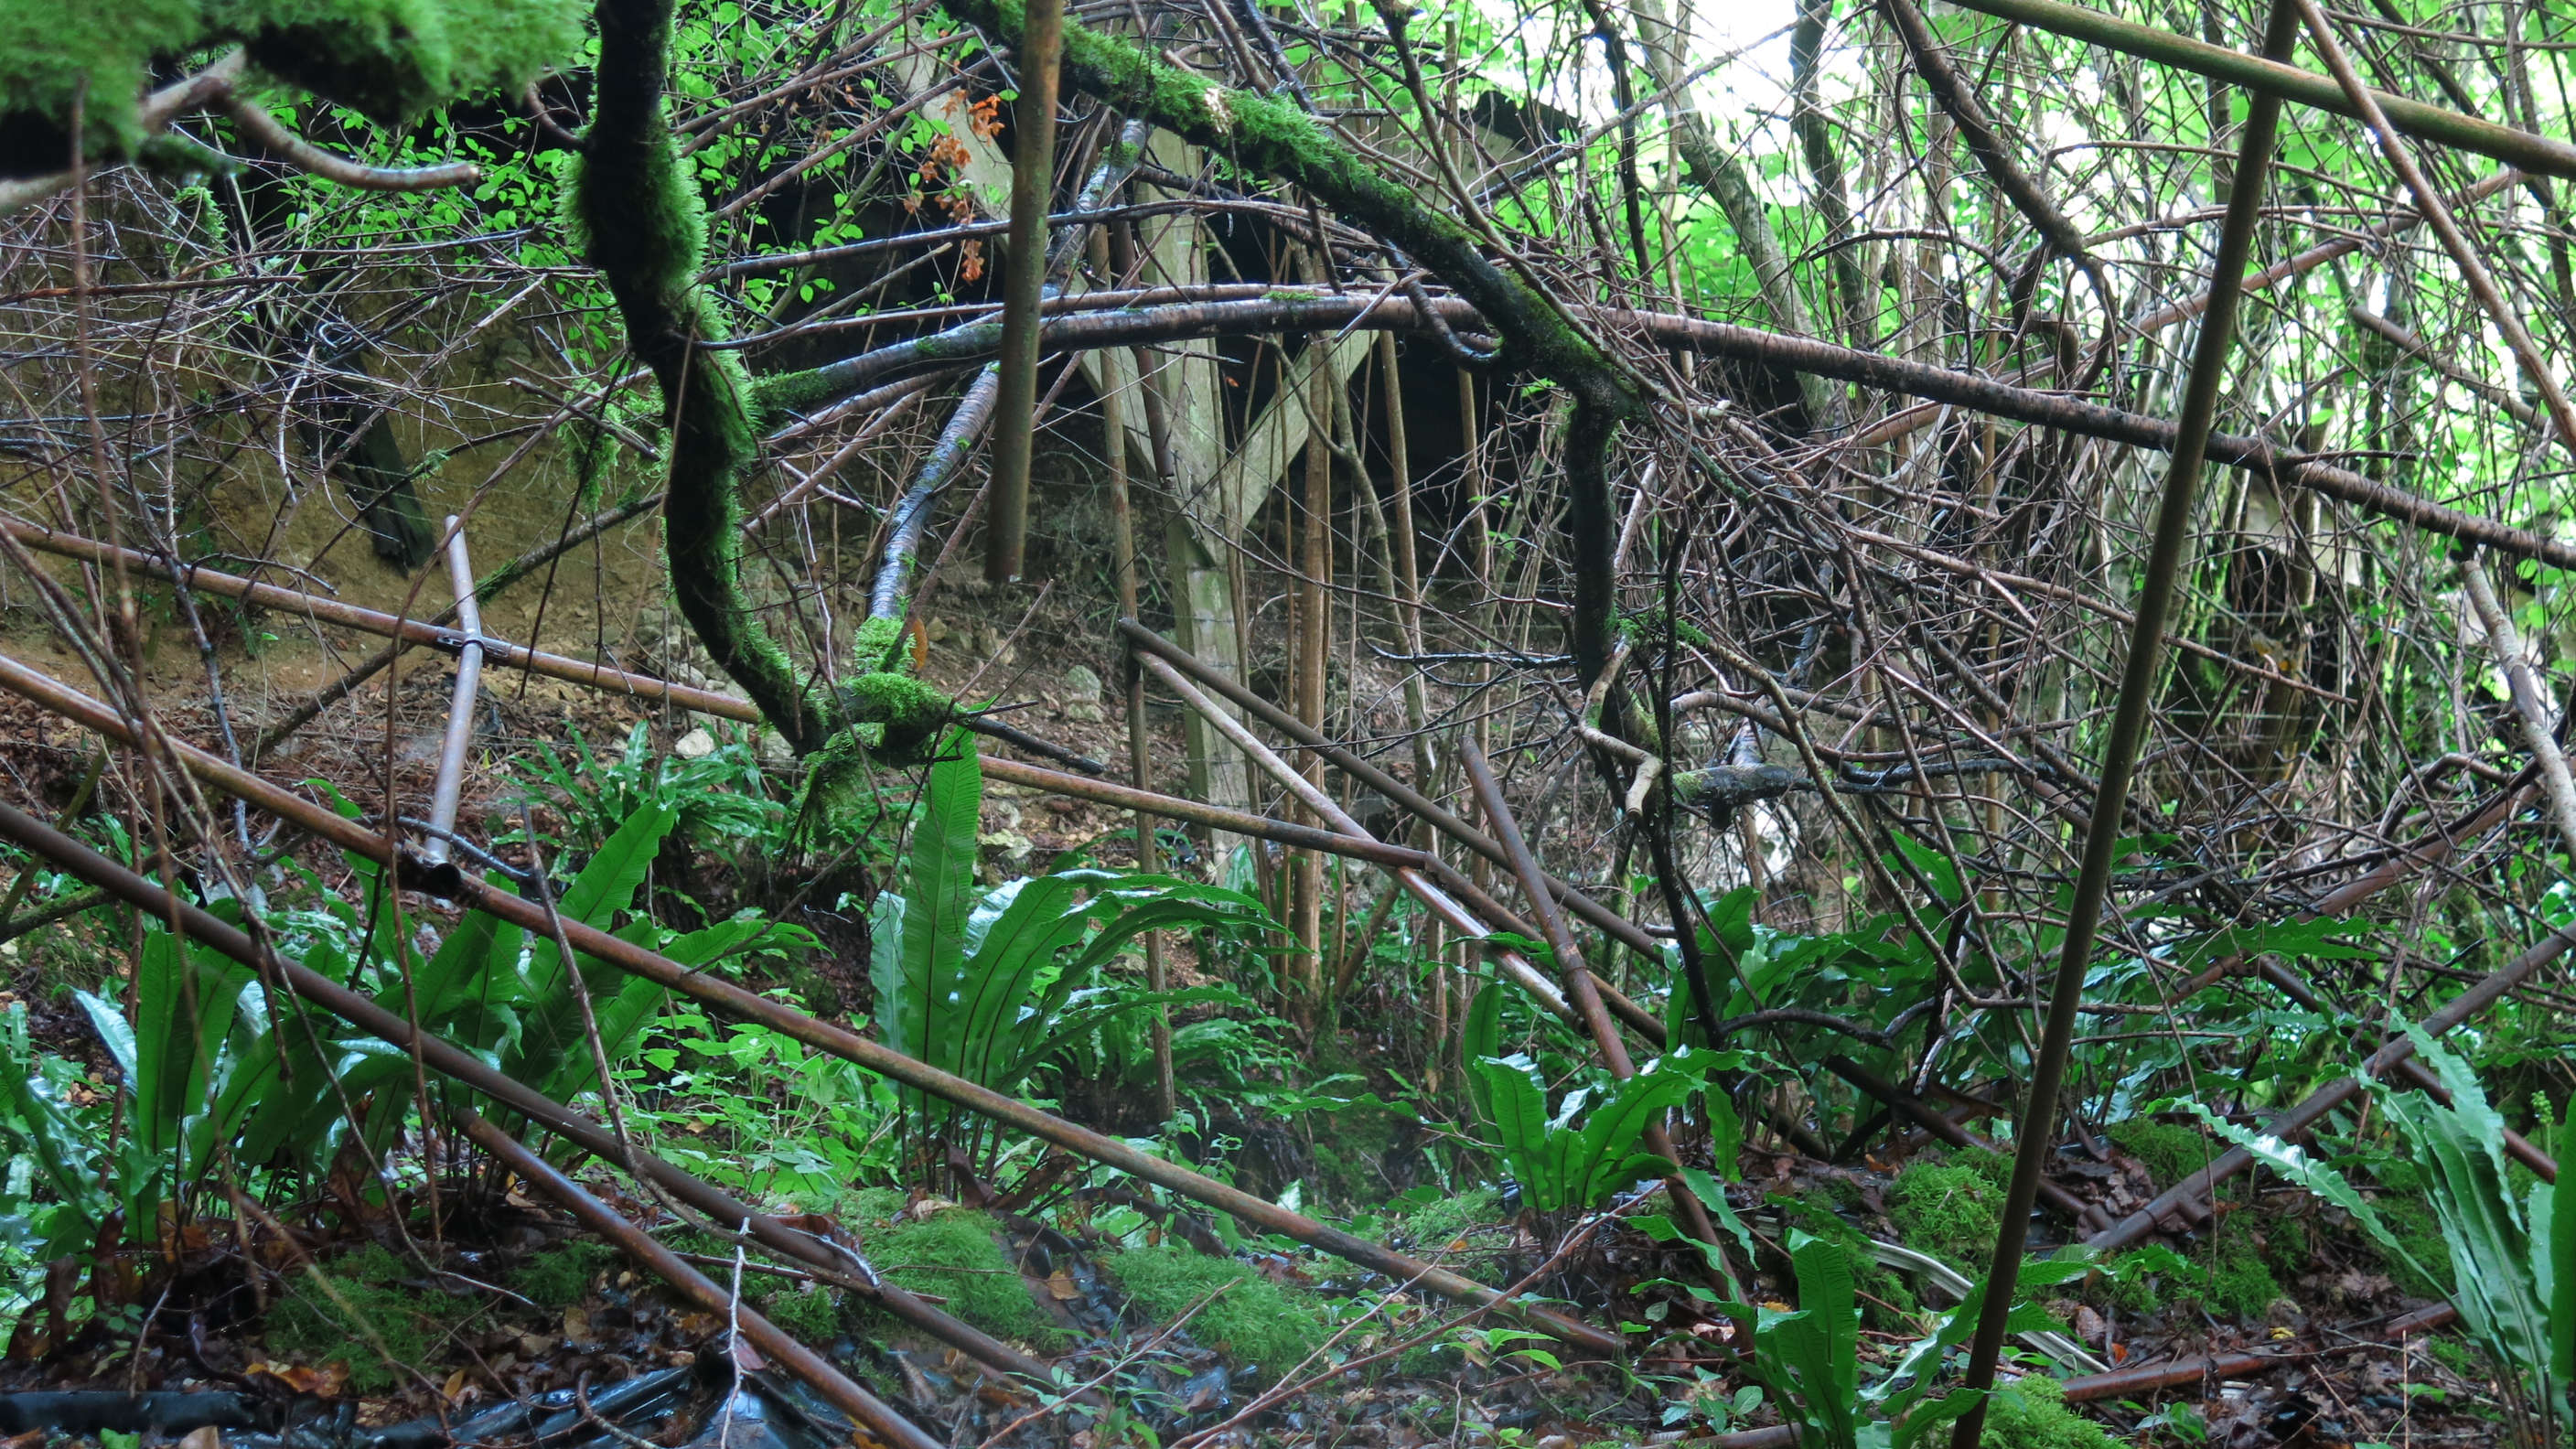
pixel 2530 705
pixel 1140 750
pixel 436 1054
pixel 1580 988
pixel 2322 253
pixel 2508 322
pixel 159 109
pixel 303 155
pixel 487 589
pixel 1619 928
pixel 459 739
pixel 1514 964
pixel 498 652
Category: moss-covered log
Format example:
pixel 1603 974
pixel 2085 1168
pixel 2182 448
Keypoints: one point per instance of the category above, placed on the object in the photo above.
pixel 645 228
pixel 391 59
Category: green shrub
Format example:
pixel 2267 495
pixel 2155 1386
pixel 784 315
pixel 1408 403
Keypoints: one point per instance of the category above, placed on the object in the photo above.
pixel 1254 1321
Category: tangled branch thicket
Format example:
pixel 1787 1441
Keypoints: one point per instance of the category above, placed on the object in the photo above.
pixel 1751 441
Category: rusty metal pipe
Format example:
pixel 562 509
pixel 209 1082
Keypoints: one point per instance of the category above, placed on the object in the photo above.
pixel 865 1409
pixel 2412 1069
pixel 823 1036
pixel 2295 1121
pixel 1579 985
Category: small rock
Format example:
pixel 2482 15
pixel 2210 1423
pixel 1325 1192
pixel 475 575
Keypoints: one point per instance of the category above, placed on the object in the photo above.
pixel 1081 683
pixel 1083 711
pixel 697 744
pixel 774 749
pixel 935 630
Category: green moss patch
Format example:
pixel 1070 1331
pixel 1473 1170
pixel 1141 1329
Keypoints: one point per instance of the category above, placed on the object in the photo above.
pixel 391 59
pixel 1252 1321
pixel 2229 1278
pixel 955 1255
pixel 1952 1209
pixel 807 1312
pixel 1440 1231
pixel 413 1324
pixel 559 1277
pixel 2031 1414
pixel 1435 1227
pixel 2411 1218
pixel 2124 1290
pixel 2170 1150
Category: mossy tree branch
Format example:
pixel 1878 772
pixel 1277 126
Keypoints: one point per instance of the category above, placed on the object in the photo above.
pixel 1276 138
pixel 645 228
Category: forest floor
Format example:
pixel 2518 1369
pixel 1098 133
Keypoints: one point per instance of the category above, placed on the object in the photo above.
pixel 503 1302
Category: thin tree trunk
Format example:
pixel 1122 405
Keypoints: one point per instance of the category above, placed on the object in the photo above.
pixel 1113 416
pixel 1313 643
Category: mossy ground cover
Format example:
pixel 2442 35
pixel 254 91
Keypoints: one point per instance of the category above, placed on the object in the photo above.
pixel 2032 1414
pixel 957 1255
pixel 2170 1151
pixel 411 1324
pixel 1445 1230
pixel 558 1277
pixel 1951 1207
pixel 1249 1319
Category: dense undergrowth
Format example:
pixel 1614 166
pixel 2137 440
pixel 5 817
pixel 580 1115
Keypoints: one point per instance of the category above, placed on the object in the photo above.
pixel 1030 986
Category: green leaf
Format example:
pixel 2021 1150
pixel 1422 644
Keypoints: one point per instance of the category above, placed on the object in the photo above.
pixel 1517 1111
pixel 2295 1165
pixel 114 1032
pixel 1934 865
pixel 2560 1286
pixel 939 871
